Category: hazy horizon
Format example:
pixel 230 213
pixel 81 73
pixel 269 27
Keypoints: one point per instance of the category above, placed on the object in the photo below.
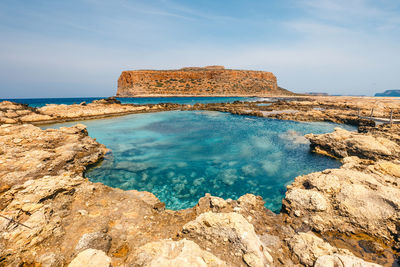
pixel 79 48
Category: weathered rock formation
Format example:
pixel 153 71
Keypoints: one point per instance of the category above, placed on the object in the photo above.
pixel 14 113
pixel 359 201
pixel 208 81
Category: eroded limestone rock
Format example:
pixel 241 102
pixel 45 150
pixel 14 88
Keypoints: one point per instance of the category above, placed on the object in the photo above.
pixel 232 228
pixel 342 143
pixel 308 247
pixel 30 153
pixel 353 201
pixel 340 260
pixel 97 240
pixel 91 258
pixel 180 253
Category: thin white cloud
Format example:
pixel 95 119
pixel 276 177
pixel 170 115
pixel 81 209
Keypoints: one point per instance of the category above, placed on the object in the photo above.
pixel 365 13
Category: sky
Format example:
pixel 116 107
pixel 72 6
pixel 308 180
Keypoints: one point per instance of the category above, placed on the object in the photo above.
pixel 78 48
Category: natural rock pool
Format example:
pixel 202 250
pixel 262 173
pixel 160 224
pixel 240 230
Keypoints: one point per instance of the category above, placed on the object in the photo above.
pixel 181 155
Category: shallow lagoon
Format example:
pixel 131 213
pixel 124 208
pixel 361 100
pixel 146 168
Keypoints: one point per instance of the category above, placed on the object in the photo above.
pixel 181 155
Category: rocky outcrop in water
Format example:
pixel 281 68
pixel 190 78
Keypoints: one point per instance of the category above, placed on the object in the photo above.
pixel 207 81
pixel 342 144
pixel 360 200
pixel 14 113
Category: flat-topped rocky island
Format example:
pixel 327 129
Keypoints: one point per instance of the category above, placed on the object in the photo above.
pixel 51 215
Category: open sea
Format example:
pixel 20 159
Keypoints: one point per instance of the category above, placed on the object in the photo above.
pixel 40 102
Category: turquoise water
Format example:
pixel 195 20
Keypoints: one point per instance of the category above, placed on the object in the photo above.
pixel 40 102
pixel 181 155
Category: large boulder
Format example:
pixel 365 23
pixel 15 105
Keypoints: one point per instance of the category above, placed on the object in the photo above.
pixel 180 253
pixel 91 258
pixel 354 199
pixel 232 228
pixel 308 247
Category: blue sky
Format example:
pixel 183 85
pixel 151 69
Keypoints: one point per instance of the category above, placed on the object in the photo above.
pixel 51 48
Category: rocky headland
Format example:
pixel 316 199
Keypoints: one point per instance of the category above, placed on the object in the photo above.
pixel 14 113
pixel 389 93
pixel 194 81
pixel 51 215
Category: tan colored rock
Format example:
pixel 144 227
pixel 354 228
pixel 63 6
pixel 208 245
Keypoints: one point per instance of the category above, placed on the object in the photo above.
pixel 29 152
pixel 307 199
pixel 250 200
pixel 357 201
pixel 340 260
pixel 197 81
pixel 342 143
pixel 96 240
pixel 91 258
pixel 180 253
pixel 308 247
pixel 233 228
pixel 51 260
pixel 13 113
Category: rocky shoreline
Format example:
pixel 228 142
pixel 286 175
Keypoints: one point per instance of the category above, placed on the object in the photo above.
pixel 53 216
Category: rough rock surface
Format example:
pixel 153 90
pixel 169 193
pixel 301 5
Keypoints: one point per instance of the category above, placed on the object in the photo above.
pixel 349 200
pixel 349 110
pixel 91 258
pixel 361 200
pixel 13 113
pixel 339 260
pixel 180 253
pixel 96 240
pixel 208 81
pixel 27 152
pixel 342 143
pixel 19 113
pixel 233 228
pixel 308 247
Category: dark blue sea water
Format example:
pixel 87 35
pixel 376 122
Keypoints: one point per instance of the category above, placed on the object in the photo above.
pixel 39 102
pixel 181 155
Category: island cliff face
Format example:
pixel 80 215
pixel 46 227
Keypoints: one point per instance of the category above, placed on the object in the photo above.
pixel 207 81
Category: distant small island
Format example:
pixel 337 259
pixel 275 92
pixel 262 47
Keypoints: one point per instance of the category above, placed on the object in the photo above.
pixel 316 93
pixel 395 92
pixel 198 81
